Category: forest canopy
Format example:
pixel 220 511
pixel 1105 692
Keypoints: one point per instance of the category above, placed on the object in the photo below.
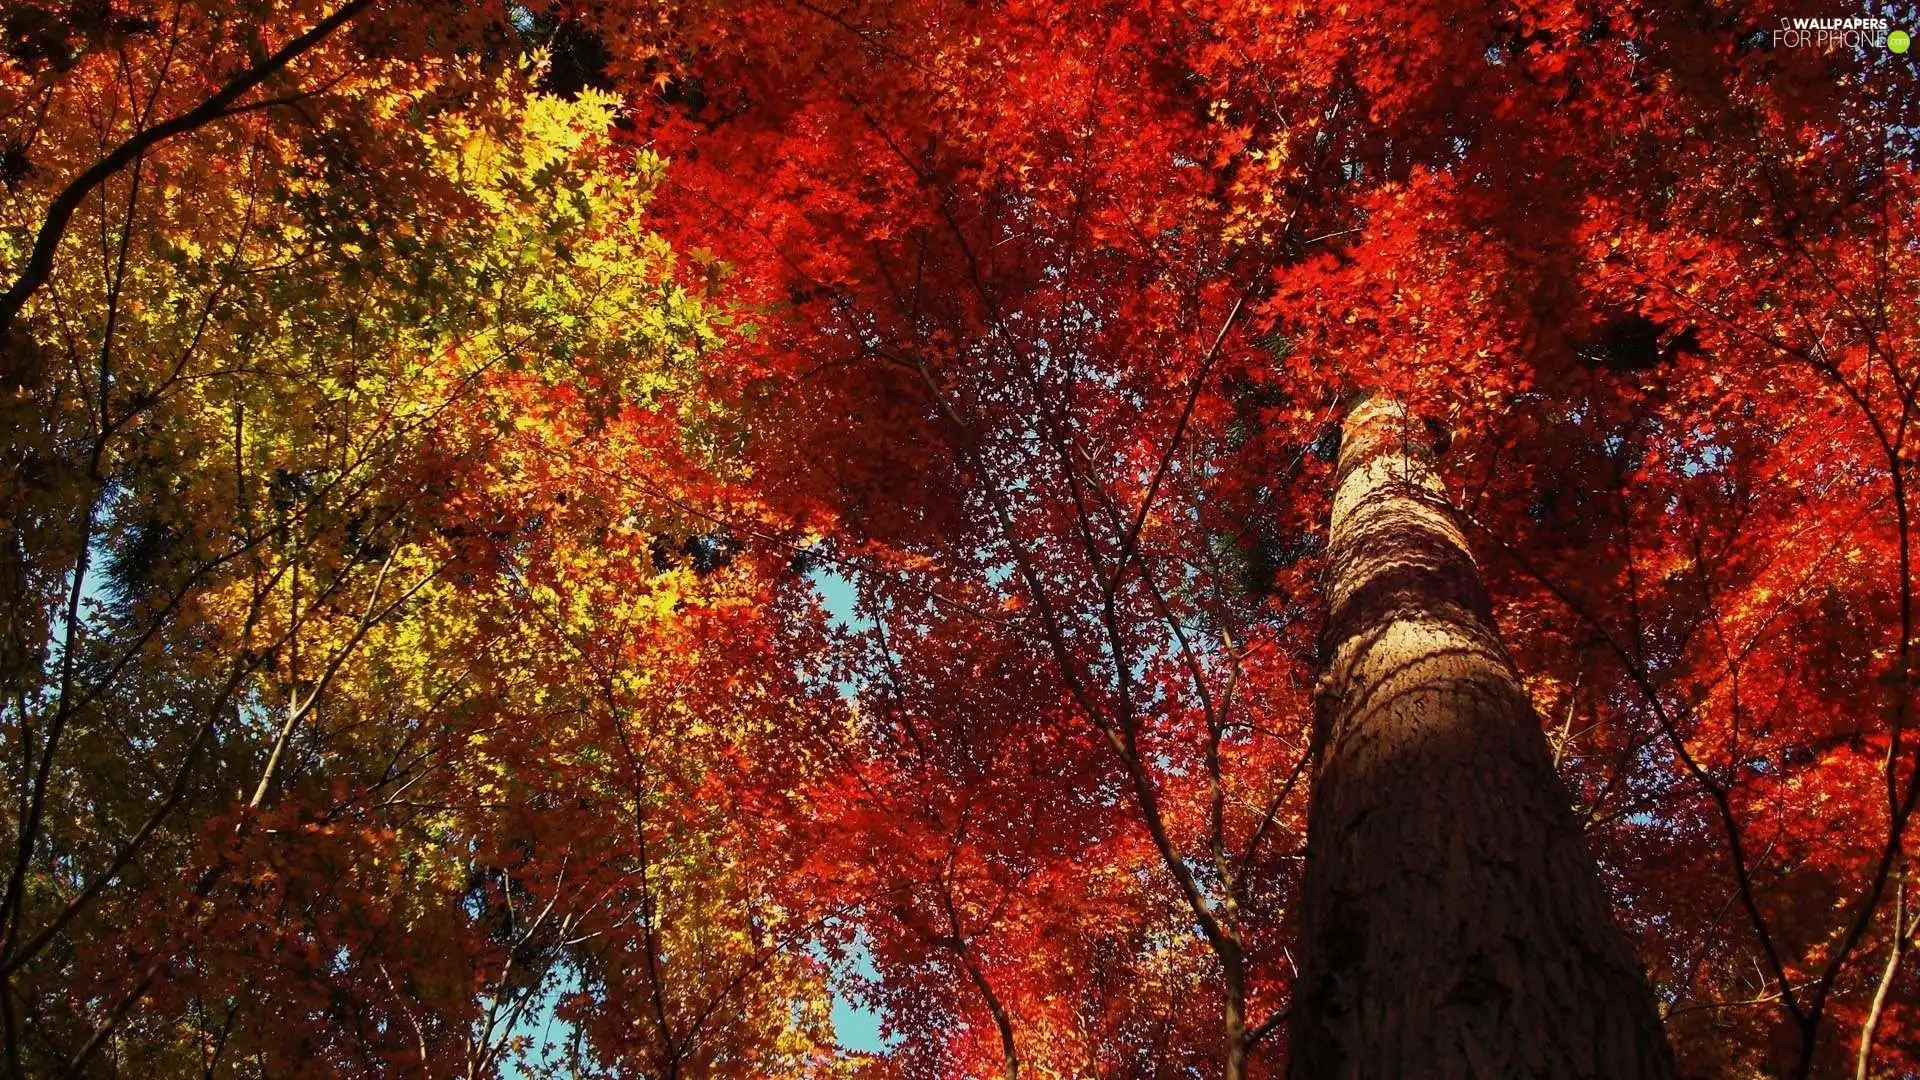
pixel 958 538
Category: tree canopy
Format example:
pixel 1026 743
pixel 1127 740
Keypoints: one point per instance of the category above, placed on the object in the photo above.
pixel 594 539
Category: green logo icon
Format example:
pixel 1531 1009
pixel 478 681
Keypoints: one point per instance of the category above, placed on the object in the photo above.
pixel 1898 41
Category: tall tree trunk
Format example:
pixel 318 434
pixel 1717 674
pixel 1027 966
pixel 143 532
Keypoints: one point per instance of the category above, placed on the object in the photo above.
pixel 1234 1065
pixel 1452 924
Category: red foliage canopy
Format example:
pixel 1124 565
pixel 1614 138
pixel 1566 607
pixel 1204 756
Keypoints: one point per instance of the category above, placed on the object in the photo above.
pixel 1057 306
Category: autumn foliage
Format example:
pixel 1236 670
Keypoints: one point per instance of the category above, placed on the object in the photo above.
pixel 637 540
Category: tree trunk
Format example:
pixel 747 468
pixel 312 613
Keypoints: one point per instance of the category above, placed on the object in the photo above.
pixel 1452 924
pixel 1234 1065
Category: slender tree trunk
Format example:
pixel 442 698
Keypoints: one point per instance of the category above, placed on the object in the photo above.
pixel 1452 924
pixel 1003 1023
pixel 1903 929
pixel 1234 1067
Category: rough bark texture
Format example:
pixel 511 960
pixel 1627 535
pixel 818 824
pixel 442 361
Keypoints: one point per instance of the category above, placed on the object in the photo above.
pixel 1452 924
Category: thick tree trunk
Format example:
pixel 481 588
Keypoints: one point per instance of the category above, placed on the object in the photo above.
pixel 1452 924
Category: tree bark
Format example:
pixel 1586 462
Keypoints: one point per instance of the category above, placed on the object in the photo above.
pixel 1452 923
